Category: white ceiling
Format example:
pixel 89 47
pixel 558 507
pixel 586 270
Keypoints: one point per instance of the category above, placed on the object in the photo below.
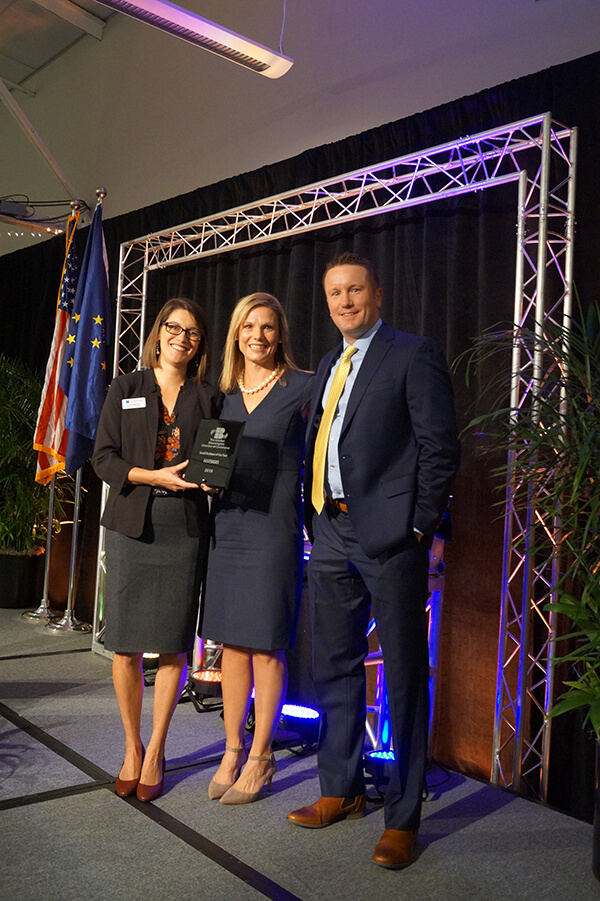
pixel 118 103
pixel 33 33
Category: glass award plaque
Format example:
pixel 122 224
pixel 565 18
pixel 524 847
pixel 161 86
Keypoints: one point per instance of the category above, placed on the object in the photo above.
pixel 214 452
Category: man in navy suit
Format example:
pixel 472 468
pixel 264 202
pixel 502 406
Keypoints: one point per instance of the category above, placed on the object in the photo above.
pixel 391 455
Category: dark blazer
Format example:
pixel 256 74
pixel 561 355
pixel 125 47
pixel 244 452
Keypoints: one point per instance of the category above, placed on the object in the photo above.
pixel 127 438
pixel 398 448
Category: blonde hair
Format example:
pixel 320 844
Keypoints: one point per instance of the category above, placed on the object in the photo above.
pixel 199 365
pixel 233 359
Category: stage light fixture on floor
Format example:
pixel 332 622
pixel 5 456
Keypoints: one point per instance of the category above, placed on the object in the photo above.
pixel 302 721
pixel 207 682
pixel 377 765
pixel 149 667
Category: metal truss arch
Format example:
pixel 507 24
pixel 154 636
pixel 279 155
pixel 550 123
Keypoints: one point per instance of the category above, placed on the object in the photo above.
pixel 537 154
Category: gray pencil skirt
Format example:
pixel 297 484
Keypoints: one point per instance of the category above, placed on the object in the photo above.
pixel 152 584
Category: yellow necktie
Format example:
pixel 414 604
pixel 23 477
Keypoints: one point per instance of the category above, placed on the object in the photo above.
pixel 320 454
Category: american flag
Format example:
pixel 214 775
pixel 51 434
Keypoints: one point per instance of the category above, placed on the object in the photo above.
pixel 50 439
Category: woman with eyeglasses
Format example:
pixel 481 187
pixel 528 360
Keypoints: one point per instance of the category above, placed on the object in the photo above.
pixel 157 528
pixel 253 586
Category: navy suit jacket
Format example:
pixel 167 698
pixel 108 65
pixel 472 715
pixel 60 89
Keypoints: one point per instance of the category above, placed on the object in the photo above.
pixel 127 438
pixel 398 448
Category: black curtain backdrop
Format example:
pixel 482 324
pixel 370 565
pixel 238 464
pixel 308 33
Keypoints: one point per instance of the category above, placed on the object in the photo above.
pixel 447 271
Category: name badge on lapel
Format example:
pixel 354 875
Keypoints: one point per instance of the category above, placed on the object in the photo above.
pixel 133 403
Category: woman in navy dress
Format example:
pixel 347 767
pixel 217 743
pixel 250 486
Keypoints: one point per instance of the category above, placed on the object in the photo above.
pixel 254 582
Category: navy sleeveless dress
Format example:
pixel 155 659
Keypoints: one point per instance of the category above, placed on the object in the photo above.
pixel 254 582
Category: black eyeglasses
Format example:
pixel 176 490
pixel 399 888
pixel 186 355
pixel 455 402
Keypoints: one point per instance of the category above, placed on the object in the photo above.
pixel 174 328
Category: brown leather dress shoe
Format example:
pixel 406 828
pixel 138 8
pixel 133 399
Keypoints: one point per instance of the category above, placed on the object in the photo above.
pixel 396 849
pixel 329 810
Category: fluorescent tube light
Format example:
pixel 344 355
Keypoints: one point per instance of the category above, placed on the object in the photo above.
pixel 203 33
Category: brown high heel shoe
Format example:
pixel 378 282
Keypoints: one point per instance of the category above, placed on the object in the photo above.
pixel 216 790
pixel 124 788
pixel 235 796
pixel 151 792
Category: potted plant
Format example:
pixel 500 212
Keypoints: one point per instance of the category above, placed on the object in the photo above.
pixel 554 442
pixel 23 501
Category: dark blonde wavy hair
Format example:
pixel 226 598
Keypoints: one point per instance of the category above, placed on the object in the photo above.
pixel 200 363
pixel 233 358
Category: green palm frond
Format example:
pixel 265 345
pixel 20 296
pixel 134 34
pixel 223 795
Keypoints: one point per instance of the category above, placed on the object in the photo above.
pixel 553 436
pixel 23 502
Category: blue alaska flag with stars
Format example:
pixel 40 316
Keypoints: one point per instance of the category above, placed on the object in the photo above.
pixel 83 375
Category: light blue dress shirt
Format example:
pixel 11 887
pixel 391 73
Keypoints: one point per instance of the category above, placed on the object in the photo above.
pixel 333 476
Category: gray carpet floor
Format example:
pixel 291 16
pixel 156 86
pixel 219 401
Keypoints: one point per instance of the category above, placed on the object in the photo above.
pixel 65 835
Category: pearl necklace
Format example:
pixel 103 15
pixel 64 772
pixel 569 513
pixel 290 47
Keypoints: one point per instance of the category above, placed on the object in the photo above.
pixel 262 385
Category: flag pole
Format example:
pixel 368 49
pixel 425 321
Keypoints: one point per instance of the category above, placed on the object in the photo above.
pixel 83 380
pixel 68 623
pixel 48 435
pixel 45 611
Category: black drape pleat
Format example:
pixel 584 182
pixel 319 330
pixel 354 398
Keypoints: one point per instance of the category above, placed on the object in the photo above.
pixel 447 270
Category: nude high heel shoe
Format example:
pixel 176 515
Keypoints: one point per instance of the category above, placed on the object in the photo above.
pixel 234 796
pixel 216 790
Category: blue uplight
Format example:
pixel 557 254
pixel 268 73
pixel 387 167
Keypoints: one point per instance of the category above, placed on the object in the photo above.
pixel 382 755
pixel 385 732
pixel 295 711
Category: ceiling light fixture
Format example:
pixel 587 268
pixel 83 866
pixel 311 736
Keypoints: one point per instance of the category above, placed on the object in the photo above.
pixel 203 33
